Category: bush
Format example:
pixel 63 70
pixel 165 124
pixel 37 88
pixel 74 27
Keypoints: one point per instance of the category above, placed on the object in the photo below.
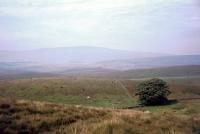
pixel 153 92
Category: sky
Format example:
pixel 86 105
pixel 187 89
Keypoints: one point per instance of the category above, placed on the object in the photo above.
pixel 164 26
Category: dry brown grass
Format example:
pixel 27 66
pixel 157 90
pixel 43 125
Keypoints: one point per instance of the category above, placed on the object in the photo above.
pixel 18 116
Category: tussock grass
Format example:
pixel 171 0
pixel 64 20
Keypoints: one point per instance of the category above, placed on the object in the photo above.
pixel 39 117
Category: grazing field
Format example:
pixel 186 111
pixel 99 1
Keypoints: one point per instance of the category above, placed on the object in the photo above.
pixel 82 91
pixel 93 91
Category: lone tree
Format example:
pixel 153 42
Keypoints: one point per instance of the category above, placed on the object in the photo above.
pixel 153 92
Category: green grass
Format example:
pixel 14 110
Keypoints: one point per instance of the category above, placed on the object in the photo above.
pixel 90 92
pixel 101 92
pixel 115 101
pixel 160 109
pixel 182 108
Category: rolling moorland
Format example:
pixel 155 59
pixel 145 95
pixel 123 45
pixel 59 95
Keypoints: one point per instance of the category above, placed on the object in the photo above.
pixel 95 95
pixel 99 66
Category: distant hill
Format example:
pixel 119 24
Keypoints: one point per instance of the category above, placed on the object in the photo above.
pixel 151 62
pixel 72 56
pixel 94 61
pixel 15 70
pixel 174 71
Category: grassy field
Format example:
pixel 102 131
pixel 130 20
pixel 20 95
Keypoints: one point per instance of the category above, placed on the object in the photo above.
pixel 92 91
pixel 82 91
pixel 93 106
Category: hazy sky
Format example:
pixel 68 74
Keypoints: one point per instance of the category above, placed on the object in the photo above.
pixel 170 26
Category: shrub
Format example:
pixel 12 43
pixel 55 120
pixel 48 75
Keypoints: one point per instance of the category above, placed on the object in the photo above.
pixel 153 92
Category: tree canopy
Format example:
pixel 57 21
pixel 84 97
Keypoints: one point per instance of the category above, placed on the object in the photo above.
pixel 153 92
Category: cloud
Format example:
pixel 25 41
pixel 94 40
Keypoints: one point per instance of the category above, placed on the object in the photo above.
pixel 129 24
pixel 47 7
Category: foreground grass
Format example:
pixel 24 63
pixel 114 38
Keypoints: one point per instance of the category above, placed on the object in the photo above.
pixel 19 116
